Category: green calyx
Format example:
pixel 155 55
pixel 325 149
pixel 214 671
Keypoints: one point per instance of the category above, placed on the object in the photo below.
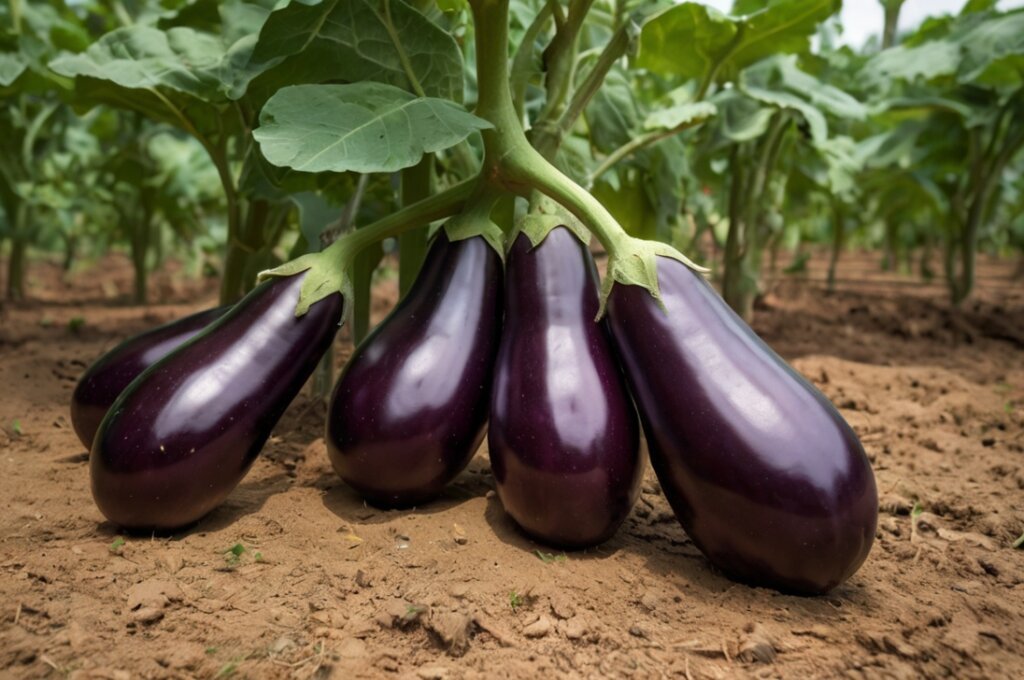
pixel 546 215
pixel 477 219
pixel 329 271
pixel 634 262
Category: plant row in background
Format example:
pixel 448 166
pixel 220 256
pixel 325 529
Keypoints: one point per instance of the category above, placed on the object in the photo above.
pixel 196 128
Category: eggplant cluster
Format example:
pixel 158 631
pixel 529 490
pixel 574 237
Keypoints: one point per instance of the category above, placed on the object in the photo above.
pixel 765 476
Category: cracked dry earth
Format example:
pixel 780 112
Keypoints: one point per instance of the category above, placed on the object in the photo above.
pixel 294 577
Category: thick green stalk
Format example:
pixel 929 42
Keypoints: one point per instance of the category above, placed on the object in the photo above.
pixel 16 269
pixel 733 257
pixel 440 205
pixel 838 240
pixel 417 185
pixel 523 61
pixel 510 160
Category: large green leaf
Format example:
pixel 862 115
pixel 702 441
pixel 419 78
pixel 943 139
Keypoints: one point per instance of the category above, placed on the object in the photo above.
pixel 354 40
pixel 671 117
pixel 994 51
pixel 704 32
pixel 690 39
pixel 741 118
pixel 926 61
pixel 146 58
pixel 613 116
pixel 362 127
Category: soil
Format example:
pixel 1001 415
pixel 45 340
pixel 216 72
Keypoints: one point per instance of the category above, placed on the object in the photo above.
pixel 321 585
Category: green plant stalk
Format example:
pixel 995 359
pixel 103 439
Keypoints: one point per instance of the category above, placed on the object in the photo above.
pixel 16 269
pixel 417 185
pixel 733 257
pixel 510 160
pixel 524 58
pixel 560 57
pixel 838 241
pixel 16 16
pixel 443 204
pixel 635 144
pixel 983 179
pixel 547 139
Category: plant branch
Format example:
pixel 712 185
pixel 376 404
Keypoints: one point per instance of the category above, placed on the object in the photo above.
pixel 636 144
pixel 444 204
pixel 524 57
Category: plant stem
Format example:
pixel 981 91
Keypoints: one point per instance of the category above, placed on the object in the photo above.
pixel 417 185
pixel 440 205
pixel 509 160
pixel 524 58
pixel 635 145
pixel 547 138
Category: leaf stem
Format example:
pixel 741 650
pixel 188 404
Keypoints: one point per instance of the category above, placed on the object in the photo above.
pixel 636 144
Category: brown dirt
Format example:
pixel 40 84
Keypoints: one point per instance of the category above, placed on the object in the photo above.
pixel 344 590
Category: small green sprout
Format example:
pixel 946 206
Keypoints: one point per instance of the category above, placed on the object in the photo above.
pixel 917 509
pixel 1019 543
pixel 116 545
pixel 16 427
pixel 210 651
pixel 75 324
pixel 413 611
pixel 233 555
pixel 515 600
pixel 548 558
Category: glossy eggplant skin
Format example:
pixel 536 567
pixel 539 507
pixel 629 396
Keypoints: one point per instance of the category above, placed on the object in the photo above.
pixel 761 470
pixel 185 432
pixel 409 410
pixel 563 434
pixel 109 375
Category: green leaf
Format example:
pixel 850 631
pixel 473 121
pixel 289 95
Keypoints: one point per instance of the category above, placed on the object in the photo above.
pixel 352 40
pixel 705 31
pixel 928 61
pixel 1019 543
pixel 315 215
pixel 674 116
pixel 741 118
pixel 361 127
pixel 12 65
pixel 994 51
pixel 711 38
pixel 143 57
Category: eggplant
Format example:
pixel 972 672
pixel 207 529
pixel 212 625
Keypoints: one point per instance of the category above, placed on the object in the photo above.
pixel 563 434
pixel 109 375
pixel 185 432
pixel 763 473
pixel 409 410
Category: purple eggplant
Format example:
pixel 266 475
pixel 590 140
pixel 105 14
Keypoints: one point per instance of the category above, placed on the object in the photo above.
pixel 410 407
pixel 109 375
pixel 185 432
pixel 563 433
pixel 761 470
